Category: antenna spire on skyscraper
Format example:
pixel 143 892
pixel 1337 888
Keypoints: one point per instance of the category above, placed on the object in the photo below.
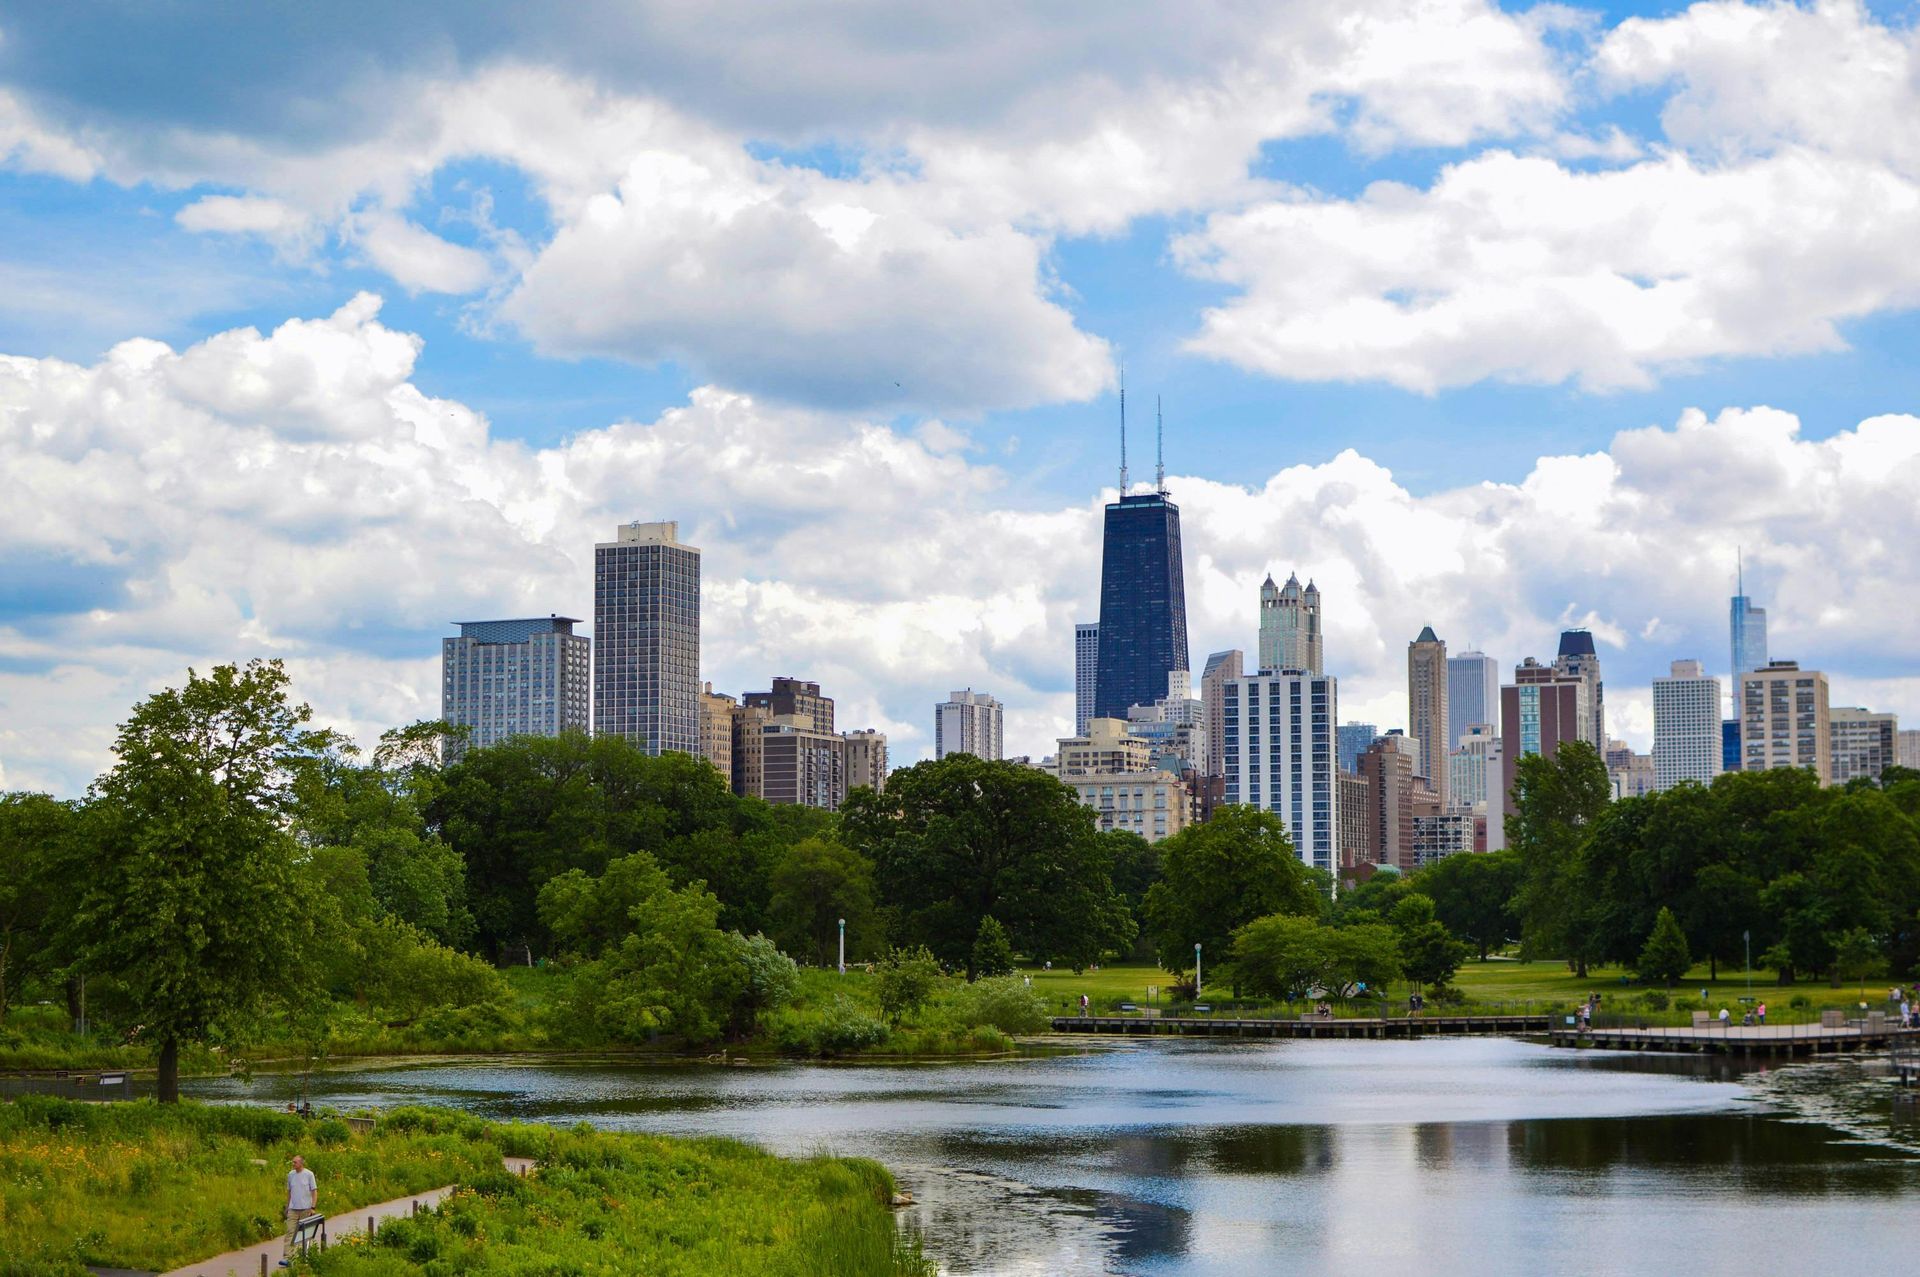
pixel 1159 450
pixel 1739 571
pixel 1123 430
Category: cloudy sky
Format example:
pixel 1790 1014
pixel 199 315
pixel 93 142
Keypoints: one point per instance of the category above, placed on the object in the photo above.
pixel 322 326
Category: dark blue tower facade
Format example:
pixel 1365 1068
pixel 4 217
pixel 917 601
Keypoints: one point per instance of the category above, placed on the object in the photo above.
pixel 1143 604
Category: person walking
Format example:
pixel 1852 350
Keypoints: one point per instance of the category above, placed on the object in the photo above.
pixel 303 1199
pixel 1726 1017
pixel 1761 1011
pixel 1083 1004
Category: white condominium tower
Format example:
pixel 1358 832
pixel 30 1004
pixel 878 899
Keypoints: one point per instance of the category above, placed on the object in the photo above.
pixel 1086 664
pixel 1686 726
pixel 968 722
pixel 1280 756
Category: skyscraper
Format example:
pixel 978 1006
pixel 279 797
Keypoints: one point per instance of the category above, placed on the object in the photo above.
pixel 1784 720
pixel 1279 756
pixel 1427 709
pixel 1388 766
pixel 1086 668
pixel 1748 627
pixel 1906 747
pixel 1686 726
pixel 1579 660
pixel 968 722
pixel 646 638
pixel 513 678
pixel 1290 626
pixel 1222 667
pixel 1473 694
pixel 1143 601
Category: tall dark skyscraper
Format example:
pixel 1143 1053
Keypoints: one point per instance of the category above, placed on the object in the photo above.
pixel 1143 596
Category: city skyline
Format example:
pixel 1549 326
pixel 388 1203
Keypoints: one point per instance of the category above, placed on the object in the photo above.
pixel 309 348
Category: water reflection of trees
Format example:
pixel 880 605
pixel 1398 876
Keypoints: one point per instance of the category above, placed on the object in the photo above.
pixel 1738 1152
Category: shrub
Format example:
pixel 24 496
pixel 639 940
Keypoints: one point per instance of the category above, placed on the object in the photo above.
pixel 992 951
pixel 907 979
pixel 1005 1002
pixel 1656 1000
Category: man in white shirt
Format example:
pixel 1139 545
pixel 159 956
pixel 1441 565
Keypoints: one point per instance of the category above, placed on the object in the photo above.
pixel 303 1199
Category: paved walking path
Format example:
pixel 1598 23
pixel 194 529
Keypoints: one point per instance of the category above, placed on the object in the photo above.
pixel 348 1223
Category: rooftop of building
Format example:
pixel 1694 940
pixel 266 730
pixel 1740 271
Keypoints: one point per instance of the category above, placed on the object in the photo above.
pixel 1577 643
pixel 1427 635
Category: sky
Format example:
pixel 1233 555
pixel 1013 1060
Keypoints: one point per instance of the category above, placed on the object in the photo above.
pixel 325 326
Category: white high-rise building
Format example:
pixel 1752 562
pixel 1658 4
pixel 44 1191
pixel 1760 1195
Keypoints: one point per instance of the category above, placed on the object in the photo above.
pixel 1784 720
pixel 1280 755
pixel 1473 694
pixel 1686 726
pixel 646 638
pixel 514 678
pixel 1086 664
pixel 1467 767
pixel 1907 747
pixel 1578 659
pixel 968 722
pixel 1290 626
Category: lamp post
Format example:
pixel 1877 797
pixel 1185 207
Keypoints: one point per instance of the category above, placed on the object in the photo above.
pixel 843 946
pixel 1196 971
pixel 1746 945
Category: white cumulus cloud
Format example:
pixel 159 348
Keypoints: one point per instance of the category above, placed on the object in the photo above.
pixel 295 494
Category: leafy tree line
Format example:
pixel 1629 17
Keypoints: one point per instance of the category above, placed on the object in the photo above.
pixel 1810 881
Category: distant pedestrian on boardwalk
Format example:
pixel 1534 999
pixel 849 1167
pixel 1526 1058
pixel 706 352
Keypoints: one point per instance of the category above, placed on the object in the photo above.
pixel 1083 1004
pixel 1726 1017
pixel 303 1199
pixel 1761 1010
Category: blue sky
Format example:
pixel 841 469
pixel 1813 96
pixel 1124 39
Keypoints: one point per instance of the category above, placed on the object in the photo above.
pixel 1456 242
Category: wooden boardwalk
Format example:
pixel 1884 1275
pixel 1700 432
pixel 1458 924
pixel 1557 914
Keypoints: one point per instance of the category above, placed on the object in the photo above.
pixel 1736 1039
pixel 1220 1026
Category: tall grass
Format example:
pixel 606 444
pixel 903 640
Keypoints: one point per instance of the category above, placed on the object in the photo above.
pixel 604 1203
pixel 141 1185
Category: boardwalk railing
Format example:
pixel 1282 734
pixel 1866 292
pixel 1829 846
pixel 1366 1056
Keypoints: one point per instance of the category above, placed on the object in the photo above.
pixel 1737 1039
pixel 1306 1026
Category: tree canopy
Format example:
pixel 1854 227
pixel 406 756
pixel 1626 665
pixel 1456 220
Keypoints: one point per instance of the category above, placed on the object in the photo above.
pixel 1221 875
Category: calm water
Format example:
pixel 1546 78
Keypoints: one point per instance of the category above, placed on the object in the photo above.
pixel 1431 1157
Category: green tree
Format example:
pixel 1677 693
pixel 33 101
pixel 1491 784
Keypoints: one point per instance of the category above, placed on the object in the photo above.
pixel 35 834
pixel 1554 799
pixel 190 899
pixel 906 980
pixel 992 953
pixel 817 882
pixel 1473 896
pixel 1291 956
pixel 957 839
pixel 1221 875
pixel 1428 952
pixel 1664 957
pixel 1857 955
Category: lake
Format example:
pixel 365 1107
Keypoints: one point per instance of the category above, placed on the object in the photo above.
pixel 1437 1156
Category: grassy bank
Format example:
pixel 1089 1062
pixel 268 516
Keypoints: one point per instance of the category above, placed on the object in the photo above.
pixel 833 1016
pixel 144 1186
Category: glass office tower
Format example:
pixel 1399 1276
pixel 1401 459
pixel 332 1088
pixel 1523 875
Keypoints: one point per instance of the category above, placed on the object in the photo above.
pixel 1143 604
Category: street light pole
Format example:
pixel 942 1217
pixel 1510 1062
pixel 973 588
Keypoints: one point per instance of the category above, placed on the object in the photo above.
pixel 843 946
pixel 1196 971
pixel 1746 945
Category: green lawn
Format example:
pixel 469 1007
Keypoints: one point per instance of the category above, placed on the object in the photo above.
pixel 1496 985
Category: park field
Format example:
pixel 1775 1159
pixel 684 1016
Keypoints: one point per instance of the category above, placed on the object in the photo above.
pixel 150 1187
pixel 1499 984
